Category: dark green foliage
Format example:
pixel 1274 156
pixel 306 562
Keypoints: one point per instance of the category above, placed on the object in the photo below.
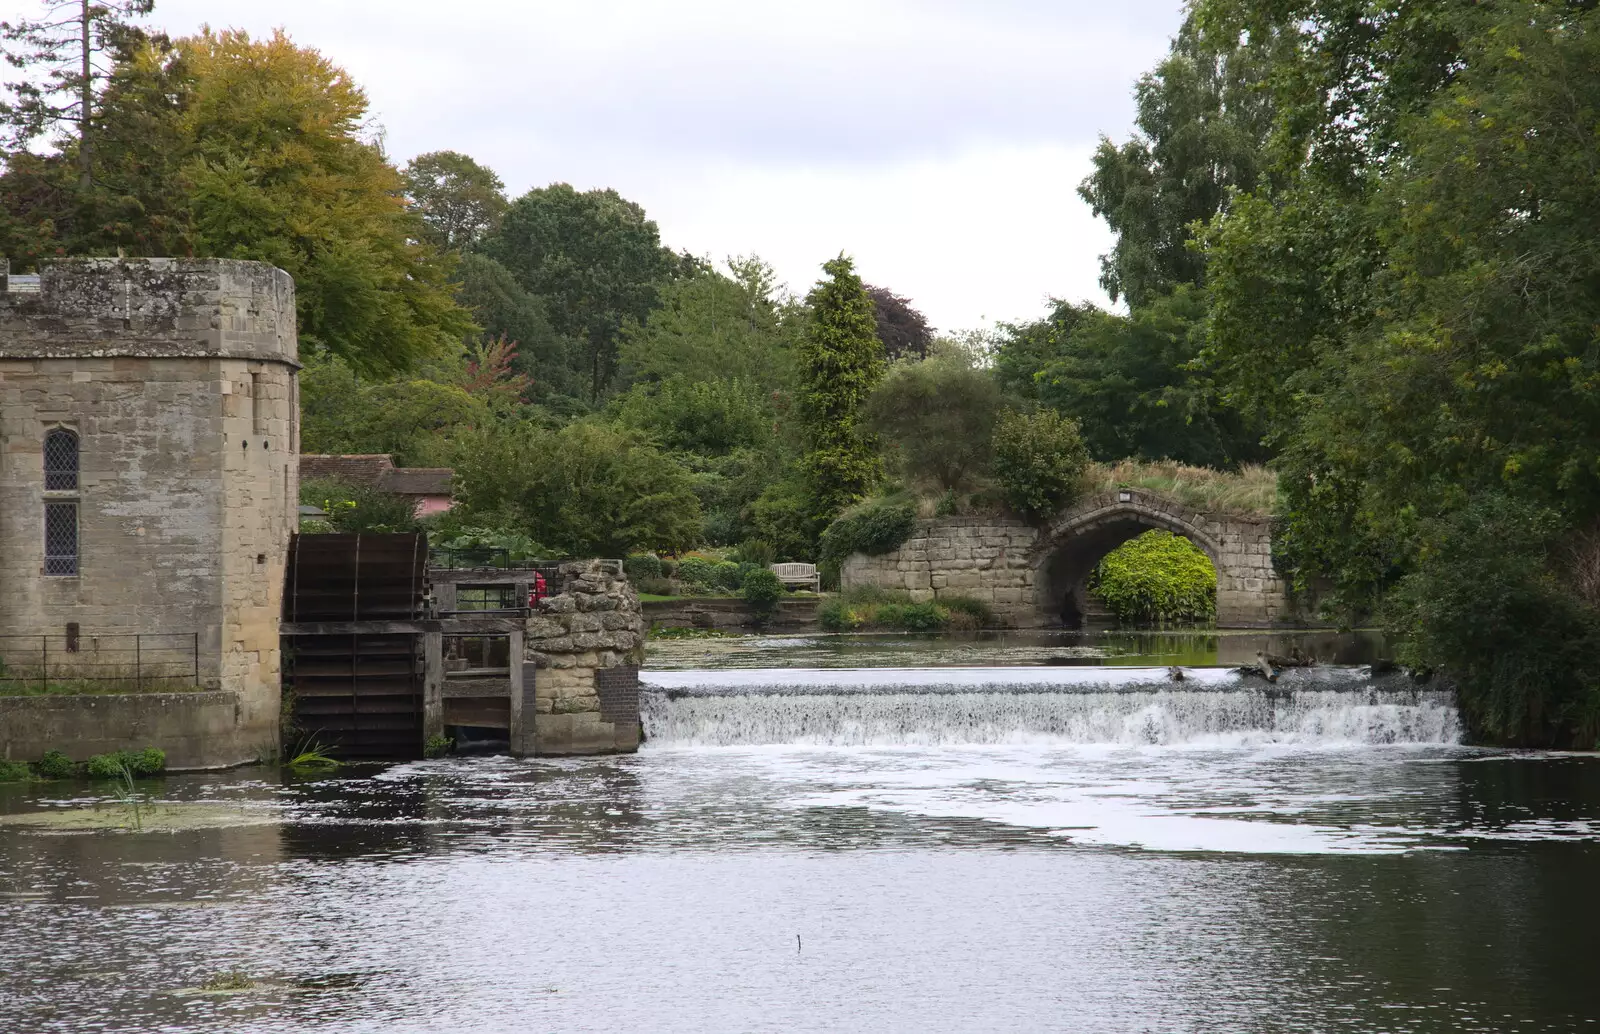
pixel 841 362
pixel 762 589
pixel 594 261
pixel 872 609
pixel 656 587
pixel 705 575
pixel 1157 577
pixel 14 771
pixel 936 419
pixel 585 490
pixel 1485 608
pixel 1039 462
pixel 712 417
pixel 56 765
pixel 138 763
pixel 642 565
pixel 438 746
pixel 504 309
pixel 978 614
pixel 1203 121
pixel 874 528
pixel 785 515
pixel 360 508
pixel 459 200
pixel 1128 381
pixel 756 551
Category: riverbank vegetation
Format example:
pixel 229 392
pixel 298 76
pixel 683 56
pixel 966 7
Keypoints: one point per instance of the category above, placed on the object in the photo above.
pixel 1354 242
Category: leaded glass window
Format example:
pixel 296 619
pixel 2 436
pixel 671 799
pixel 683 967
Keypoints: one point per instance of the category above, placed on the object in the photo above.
pixel 61 538
pixel 60 460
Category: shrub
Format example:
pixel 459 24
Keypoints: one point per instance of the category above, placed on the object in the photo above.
pixel 360 508
pixel 873 528
pixel 1040 461
pixel 938 418
pixel 147 762
pixel 1158 576
pixel 640 566
pixel 762 589
pixel 656 587
pixel 1491 567
pixel 974 612
pixel 13 771
pixel 868 607
pixel 755 551
pixel 785 515
pixel 56 765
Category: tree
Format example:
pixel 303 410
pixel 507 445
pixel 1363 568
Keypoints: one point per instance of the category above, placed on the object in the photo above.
pixel 593 259
pixel 586 490
pixel 1203 118
pixel 413 419
pixel 224 146
pixel 903 330
pixel 841 361
pixel 459 200
pixel 716 327
pixel 58 54
pixel 1130 382
pixel 937 417
pixel 709 417
pixel 504 309
pixel 1039 462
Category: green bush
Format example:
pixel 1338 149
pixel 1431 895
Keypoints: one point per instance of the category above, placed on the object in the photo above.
pixel 56 765
pixel 1158 576
pixel 1040 462
pixel 756 551
pixel 360 508
pixel 640 566
pixel 147 762
pixel 870 608
pixel 874 528
pixel 973 613
pixel 1491 607
pixel 14 771
pixel 762 589
pixel 656 587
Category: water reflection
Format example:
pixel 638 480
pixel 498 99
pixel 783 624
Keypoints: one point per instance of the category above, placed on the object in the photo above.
pixel 932 889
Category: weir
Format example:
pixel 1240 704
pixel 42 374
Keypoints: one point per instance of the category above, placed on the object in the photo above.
pixel 1325 706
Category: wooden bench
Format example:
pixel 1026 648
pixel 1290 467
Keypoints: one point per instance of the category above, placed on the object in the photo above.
pixel 798 576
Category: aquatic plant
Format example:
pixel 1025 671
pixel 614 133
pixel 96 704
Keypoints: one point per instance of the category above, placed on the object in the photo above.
pixel 148 762
pixel 14 772
pixel 126 793
pixel 232 980
pixel 55 765
pixel 311 754
pixel 437 746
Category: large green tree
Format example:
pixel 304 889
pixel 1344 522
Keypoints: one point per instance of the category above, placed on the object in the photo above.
pixel 459 200
pixel 1414 311
pixel 593 259
pixel 222 145
pixel 841 361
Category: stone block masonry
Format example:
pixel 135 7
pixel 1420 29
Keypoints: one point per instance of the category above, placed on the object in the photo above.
pixel 585 646
pixel 176 380
pixel 1035 576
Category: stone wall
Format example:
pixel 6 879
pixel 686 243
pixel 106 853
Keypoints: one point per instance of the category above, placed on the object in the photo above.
pixel 1034 576
pixel 585 644
pixel 988 558
pixel 197 730
pixel 179 379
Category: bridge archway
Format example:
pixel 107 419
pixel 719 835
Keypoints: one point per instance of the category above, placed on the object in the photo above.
pixel 1075 542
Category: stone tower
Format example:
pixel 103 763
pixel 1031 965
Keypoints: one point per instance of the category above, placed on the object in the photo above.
pixel 149 442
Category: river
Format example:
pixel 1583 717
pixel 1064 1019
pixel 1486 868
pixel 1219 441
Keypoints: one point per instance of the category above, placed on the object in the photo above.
pixel 1053 847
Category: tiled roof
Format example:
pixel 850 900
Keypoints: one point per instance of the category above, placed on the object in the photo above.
pixel 417 480
pixel 356 470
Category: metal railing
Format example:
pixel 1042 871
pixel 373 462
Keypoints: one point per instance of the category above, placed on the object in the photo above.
pixel 141 660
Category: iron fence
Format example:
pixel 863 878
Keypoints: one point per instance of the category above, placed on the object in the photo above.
pixel 140 659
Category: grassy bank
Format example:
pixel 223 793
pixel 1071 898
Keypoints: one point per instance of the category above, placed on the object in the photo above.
pixel 1251 491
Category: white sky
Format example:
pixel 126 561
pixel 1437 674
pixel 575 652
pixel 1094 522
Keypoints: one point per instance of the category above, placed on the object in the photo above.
pixel 939 142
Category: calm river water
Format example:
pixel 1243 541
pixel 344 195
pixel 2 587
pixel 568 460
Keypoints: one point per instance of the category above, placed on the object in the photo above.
pixel 1025 849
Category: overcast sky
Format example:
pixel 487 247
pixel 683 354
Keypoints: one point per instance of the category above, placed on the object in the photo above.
pixel 939 142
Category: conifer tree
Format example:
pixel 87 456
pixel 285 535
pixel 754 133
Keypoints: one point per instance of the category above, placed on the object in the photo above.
pixel 841 361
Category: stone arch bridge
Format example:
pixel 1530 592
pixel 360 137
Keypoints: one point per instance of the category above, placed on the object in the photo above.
pixel 1034 576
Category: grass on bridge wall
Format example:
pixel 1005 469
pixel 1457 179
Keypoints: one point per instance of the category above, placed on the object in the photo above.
pixel 1250 491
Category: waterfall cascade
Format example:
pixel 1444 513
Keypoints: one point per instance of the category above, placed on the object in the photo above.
pixel 1091 705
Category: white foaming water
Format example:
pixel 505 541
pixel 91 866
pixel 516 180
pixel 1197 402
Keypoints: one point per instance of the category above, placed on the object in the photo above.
pixel 1061 706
